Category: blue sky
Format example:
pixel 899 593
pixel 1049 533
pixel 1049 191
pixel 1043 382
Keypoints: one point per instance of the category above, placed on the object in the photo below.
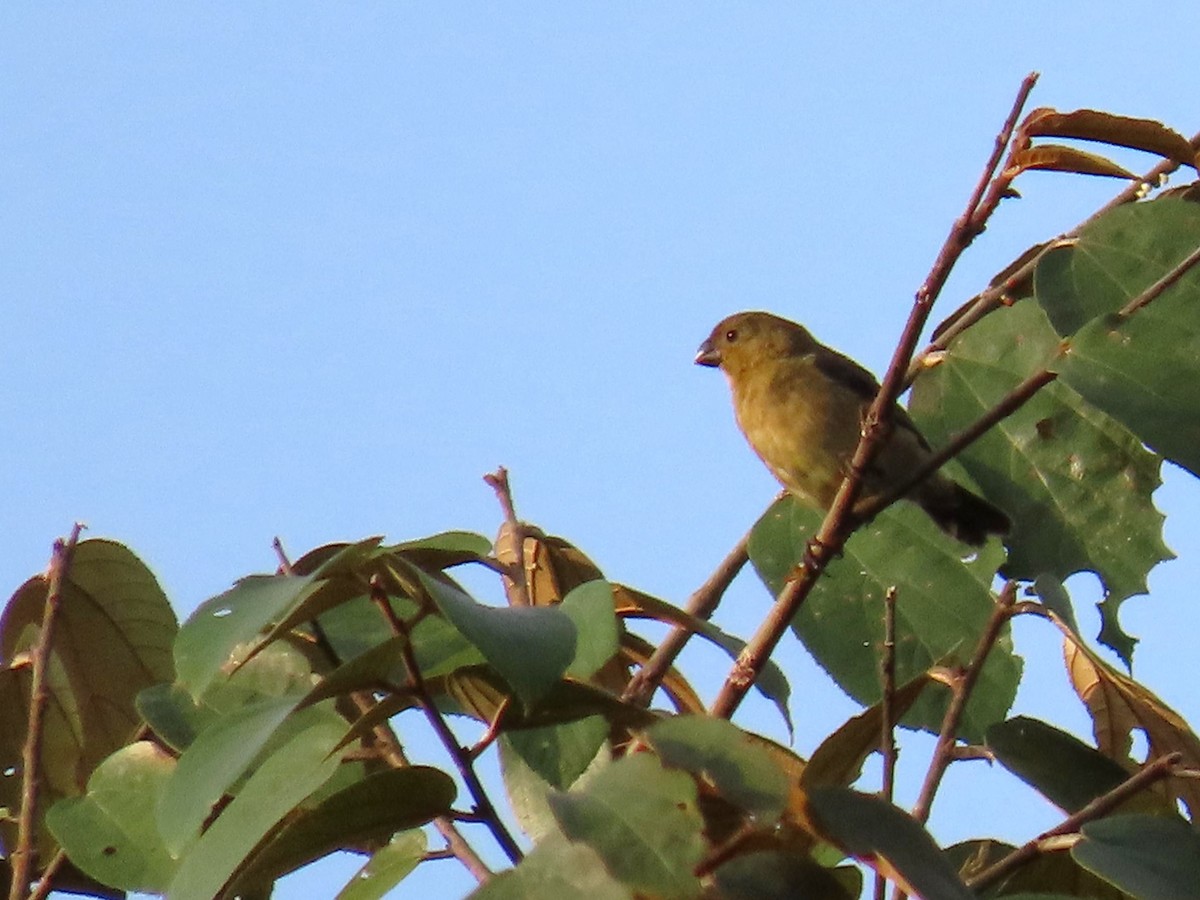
pixel 311 270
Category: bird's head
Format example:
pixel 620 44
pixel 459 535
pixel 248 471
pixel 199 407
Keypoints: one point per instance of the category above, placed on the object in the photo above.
pixel 744 338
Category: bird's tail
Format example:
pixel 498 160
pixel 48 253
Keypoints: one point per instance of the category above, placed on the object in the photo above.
pixel 962 514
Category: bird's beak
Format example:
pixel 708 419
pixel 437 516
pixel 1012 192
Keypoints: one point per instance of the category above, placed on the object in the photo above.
pixel 708 355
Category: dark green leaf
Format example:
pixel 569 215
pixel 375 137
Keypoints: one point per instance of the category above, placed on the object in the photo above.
pixel 370 810
pixel 1140 369
pixel 943 603
pixel 732 760
pixel 288 776
pixel 768 875
pixel 558 754
pixel 530 647
pixel 1149 857
pixel 1076 483
pixel 1066 771
pixel 873 830
pixel 642 820
pixel 590 607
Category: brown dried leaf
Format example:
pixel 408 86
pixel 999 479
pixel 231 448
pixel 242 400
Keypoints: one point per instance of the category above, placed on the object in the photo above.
pixel 839 758
pixel 1120 131
pixel 1057 158
pixel 553 566
pixel 636 651
pixel 1118 705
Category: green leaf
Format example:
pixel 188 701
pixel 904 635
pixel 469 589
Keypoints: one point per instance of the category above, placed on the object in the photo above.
pixel 110 833
pixel 439 648
pixel 371 809
pixel 943 604
pixel 1115 258
pixel 288 776
pixel 732 760
pixel 559 754
pixel 1140 369
pixel 642 820
pixel 767 874
pixel 873 830
pixel 555 869
pixel 1066 771
pixel 215 760
pixel 219 633
pixel 534 762
pixel 531 647
pixel 386 868
pixel 441 551
pixel 210 637
pixel 590 607
pixel 1076 483
pixel 1149 857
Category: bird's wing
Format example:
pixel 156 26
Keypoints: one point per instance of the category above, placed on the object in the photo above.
pixel 858 380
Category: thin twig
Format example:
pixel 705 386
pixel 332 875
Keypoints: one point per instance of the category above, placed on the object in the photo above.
pixel 993 297
pixel 887 736
pixel 964 686
pixel 887 727
pixel 516 583
pixel 1101 806
pixel 1010 403
pixel 702 604
pixel 460 754
pixel 838 522
pixel 39 697
pixel 1017 397
pixel 1152 293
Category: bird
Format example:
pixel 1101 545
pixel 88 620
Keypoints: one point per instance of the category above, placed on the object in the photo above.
pixel 801 404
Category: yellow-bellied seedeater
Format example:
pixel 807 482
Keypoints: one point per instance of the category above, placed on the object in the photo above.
pixel 801 404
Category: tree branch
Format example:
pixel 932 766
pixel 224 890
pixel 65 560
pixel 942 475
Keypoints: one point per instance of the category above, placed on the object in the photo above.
pixel 702 604
pixel 838 522
pixel 887 727
pixel 964 686
pixel 988 300
pixel 1098 808
pixel 515 583
pixel 39 696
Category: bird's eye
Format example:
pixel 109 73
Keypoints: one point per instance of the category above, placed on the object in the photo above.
pixel 731 335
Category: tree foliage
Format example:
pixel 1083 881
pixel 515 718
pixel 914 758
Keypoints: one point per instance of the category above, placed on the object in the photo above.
pixel 276 724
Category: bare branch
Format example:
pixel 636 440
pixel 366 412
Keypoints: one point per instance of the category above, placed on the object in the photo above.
pixel 39 697
pixel 515 583
pixel 1099 807
pixel 944 750
pixel 702 604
